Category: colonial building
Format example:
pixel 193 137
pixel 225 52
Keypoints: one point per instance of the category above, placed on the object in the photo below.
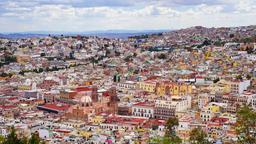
pixel 175 89
pixel 125 86
pixel 85 108
pixel 238 87
pixel 165 109
pixel 143 109
pixel 148 86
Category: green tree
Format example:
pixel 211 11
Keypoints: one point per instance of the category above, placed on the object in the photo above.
pixel 246 125
pixel 170 131
pixel 162 140
pixel 198 136
pixel 24 140
pixel 170 134
pixel 40 70
pixel 128 58
pixel 10 59
pixel 239 77
pixel 248 76
pixel 35 139
pixel 2 139
pixel 162 56
pixel 42 54
pixel 12 138
pixel 216 80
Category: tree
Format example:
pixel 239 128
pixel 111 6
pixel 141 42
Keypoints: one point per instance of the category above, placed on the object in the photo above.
pixel 170 130
pixel 231 35
pixel 22 72
pixel 206 42
pixel 6 74
pixel 40 70
pixel 162 140
pixel 218 43
pixel 198 136
pixel 24 140
pixel 250 50
pixel 246 125
pixel 216 80
pixel 2 139
pixel 128 58
pixel 239 77
pixel 170 125
pixel 42 54
pixel 10 59
pixel 12 138
pixel 170 135
pixel 35 139
pixel 248 76
pixel 162 56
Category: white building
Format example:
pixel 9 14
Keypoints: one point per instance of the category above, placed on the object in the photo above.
pixel 200 80
pixel 165 109
pixel 181 104
pixel 238 87
pixel 128 85
pixel 143 109
pixel 251 101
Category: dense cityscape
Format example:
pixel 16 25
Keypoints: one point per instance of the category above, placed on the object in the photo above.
pixel 195 85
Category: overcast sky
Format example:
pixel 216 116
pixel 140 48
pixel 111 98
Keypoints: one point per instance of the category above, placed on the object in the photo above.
pixel 89 15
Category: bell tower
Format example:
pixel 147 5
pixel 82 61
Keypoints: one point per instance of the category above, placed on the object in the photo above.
pixel 113 100
pixel 94 94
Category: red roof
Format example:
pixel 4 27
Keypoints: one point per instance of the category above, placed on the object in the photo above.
pixel 12 98
pixel 125 120
pixel 144 104
pixel 214 125
pixel 62 130
pixel 199 77
pixel 7 106
pixel 79 89
pixel 153 122
pixel 57 107
pixel 152 78
pixel 106 94
pixel 219 120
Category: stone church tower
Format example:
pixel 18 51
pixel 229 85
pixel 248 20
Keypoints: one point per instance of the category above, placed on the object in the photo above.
pixel 94 94
pixel 113 100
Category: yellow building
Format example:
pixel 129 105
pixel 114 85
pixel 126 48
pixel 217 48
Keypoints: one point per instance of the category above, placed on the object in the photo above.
pixel 85 134
pixel 24 87
pixel 214 108
pixel 209 112
pixel 96 120
pixel 222 86
pixel 161 89
pixel 148 86
pixel 175 89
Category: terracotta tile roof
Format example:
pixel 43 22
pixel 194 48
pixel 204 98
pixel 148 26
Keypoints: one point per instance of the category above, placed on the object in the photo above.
pixel 144 104
pixel 57 107
pixel 79 89
pixel 7 107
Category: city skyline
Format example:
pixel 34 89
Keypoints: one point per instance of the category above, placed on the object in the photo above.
pixel 92 15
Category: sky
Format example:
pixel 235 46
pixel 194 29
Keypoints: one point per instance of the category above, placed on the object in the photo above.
pixel 91 15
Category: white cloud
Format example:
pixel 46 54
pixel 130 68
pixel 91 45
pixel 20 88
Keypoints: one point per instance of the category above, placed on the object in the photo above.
pixel 65 17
